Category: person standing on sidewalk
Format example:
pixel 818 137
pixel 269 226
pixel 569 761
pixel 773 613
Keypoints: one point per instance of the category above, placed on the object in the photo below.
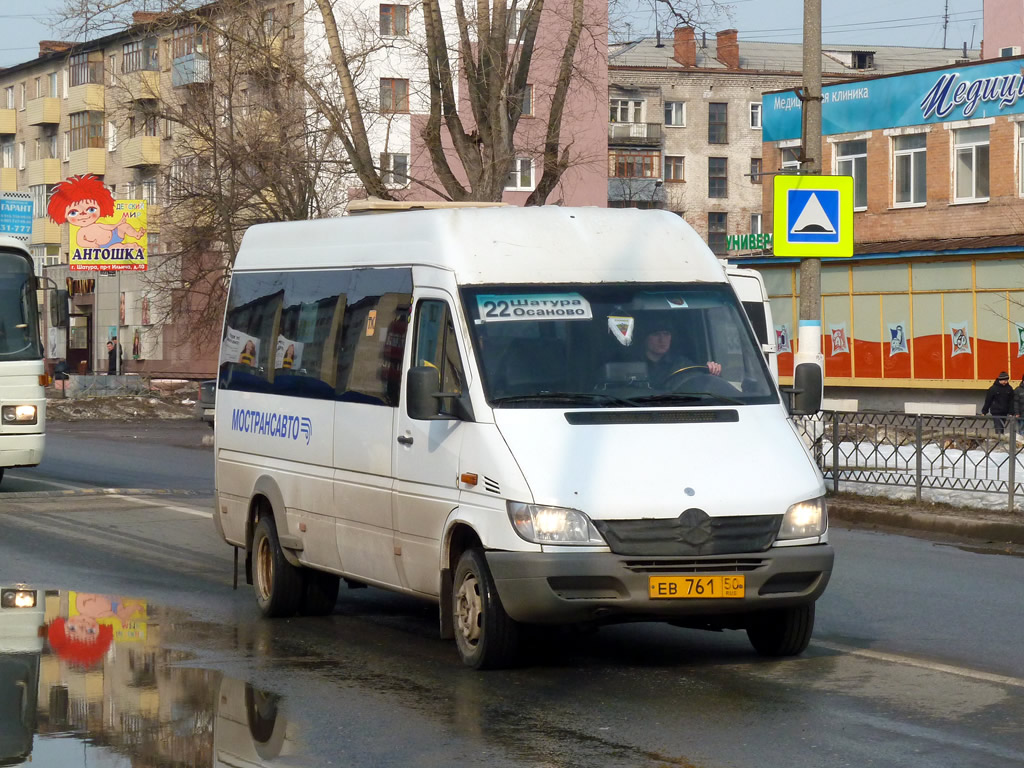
pixel 1018 406
pixel 999 401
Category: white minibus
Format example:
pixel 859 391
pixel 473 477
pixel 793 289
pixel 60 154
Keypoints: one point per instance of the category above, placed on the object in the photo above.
pixel 529 416
pixel 22 375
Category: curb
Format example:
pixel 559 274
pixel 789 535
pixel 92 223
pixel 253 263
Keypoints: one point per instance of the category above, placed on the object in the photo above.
pixel 990 530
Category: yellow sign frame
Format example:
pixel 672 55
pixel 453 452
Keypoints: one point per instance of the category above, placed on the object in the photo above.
pixel 781 243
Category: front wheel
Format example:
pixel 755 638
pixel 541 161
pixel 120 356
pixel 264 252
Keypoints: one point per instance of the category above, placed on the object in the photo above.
pixel 487 638
pixel 279 585
pixel 782 632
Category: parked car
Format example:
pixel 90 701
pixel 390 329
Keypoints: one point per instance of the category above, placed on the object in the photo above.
pixel 207 401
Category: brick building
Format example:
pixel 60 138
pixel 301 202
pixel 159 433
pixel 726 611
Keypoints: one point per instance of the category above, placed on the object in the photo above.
pixel 933 298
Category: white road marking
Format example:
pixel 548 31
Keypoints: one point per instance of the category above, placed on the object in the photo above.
pixel 183 510
pixel 909 661
pixel 65 486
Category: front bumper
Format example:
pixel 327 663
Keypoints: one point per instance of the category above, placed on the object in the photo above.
pixel 21 450
pixel 557 588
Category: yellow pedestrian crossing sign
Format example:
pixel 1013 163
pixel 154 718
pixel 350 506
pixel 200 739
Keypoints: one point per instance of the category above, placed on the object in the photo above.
pixel 813 216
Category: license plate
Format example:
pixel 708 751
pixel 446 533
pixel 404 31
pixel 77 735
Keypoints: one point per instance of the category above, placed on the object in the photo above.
pixel 674 587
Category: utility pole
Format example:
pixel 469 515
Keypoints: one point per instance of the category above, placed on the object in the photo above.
pixel 809 332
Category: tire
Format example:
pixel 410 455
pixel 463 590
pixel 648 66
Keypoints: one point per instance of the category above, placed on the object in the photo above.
pixel 484 634
pixel 278 584
pixel 321 593
pixel 2 474
pixel 782 632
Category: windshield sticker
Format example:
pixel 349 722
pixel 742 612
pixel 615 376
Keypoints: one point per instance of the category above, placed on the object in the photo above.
pixel 502 308
pixel 621 328
pixel 676 302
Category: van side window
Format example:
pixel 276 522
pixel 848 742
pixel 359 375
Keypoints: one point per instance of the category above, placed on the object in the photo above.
pixel 372 339
pixel 436 345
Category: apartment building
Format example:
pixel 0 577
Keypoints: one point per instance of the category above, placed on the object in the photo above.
pixel 933 298
pixel 685 127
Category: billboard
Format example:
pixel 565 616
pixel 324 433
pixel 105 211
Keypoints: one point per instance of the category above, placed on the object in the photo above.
pixel 16 215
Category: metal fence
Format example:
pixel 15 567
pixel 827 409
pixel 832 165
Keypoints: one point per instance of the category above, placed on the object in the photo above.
pixel 936 456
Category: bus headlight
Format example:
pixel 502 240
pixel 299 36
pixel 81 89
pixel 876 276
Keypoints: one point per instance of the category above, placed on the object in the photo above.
pixel 18 414
pixel 18 598
pixel 553 525
pixel 805 519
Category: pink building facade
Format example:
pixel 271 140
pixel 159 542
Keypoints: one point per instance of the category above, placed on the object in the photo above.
pixel 1004 29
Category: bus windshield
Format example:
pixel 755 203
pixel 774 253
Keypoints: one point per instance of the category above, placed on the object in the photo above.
pixel 19 325
pixel 608 345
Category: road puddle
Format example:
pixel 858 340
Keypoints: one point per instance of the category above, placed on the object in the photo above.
pixel 88 680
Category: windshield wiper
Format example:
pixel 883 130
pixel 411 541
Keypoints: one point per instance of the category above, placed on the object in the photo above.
pixel 688 397
pixel 564 397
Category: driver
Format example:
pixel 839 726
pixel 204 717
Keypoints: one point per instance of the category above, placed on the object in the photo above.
pixel 660 364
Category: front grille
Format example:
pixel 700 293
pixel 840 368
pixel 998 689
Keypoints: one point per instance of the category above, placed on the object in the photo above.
pixel 692 533
pixel 725 565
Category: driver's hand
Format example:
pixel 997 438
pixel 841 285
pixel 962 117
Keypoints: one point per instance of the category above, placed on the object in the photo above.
pixel 714 368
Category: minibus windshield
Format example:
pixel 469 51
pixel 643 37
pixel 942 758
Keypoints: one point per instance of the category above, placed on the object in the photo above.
pixel 19 326
pixel 616 345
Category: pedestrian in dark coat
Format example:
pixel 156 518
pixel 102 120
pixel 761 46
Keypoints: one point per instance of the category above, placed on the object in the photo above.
pixel 1018 406
pixel 999 401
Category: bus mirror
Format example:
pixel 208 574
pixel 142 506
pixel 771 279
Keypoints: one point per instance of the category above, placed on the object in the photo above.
pixel 807 390
pixel 423 385
pixel 58 307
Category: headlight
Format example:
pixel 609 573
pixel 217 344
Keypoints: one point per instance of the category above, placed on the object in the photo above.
pixel 805 519
pixel 18 598
pixel 553 525
pixel 18 414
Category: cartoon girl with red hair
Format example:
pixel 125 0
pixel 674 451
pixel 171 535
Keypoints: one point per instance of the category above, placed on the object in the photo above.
pixel 84 637
pixel 82 201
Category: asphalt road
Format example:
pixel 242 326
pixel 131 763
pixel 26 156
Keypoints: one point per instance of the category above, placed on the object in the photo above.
pixel 915 661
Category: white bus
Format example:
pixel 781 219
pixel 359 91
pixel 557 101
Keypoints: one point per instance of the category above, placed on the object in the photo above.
pixel 22 375
pixel 464 405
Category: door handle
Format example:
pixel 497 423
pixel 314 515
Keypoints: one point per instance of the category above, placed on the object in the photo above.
pixel 405 439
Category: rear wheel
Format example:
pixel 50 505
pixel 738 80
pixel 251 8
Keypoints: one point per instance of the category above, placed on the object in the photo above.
pixel 487 638
pixel 321 593
pixel 278 584
pixel 782 632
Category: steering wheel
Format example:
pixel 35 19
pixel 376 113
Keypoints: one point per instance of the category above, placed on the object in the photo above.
pixel 685 371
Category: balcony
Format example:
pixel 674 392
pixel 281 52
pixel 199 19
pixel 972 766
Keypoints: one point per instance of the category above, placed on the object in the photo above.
pixel 44 231
pixel 637 192
pixel 8 180
pixel 85 98
pixel 140 151
pixel 90 160
pixel 141 85
pixel 634 134
pixel 191 69
pixel 44 172
pixel 8 122
pixel 43 111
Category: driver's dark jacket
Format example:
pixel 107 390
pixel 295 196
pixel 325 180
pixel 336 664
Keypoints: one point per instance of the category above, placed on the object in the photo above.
pixel 658 372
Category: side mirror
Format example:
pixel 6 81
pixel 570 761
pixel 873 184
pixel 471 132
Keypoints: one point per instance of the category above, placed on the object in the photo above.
pixel 806 393
pixel 423 385
pixel 58 307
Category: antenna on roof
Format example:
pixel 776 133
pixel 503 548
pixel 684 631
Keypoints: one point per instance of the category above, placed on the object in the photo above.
pixel 945 23
pixel 704 39
pixel 965 49
pixel 657 43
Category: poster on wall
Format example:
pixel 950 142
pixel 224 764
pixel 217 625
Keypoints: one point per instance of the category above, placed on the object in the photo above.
pixel 782 338
pixel 840 339
pixel 1020 339
pixel 238 347
pixel 288 354
pixel 960 339
pixel 897 339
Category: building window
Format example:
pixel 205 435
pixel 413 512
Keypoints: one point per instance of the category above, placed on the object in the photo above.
pixel 527 102
pixel 111 135
pixel 9 96
pixel 675 113
pixel 521 175
pixel 516 20
pixel 37 85
pixel 971 165
pixel 394 169
pixel 7 155
pixel 52 85
pixel 22 89
pixel 112 70
pixel 717 227
pixel 632 165
pixel 755 224
pixel 394 20
pixel 674 167
pixel 718 180
pixel 50 140
pixel 127 191
pixel 790 159
pixel 187 40
pixel 755 115
pixel 21 156
pixel 86 68
pixel 67 146
pixel 39 199
pixel 852 160
pixel 139 55
pixel 86 130
pixel 910 170
pixel 718 123
pixel 755 170
pixel 149 191
pixel 394 95
pixel 627 111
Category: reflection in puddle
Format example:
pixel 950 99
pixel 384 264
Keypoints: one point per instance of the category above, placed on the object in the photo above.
pixel 84 680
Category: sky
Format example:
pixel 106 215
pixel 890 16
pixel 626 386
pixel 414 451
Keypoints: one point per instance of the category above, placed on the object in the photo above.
pixel 23 23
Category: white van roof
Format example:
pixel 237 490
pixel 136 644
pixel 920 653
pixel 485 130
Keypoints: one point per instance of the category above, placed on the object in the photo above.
pixel 547 244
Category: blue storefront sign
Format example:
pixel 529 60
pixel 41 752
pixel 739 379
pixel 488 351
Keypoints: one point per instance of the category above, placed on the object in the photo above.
pixel 937 96
pixel 16 215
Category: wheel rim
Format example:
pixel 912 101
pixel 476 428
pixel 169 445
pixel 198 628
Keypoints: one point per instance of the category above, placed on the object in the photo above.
pixel 468 607
pixel 264 568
